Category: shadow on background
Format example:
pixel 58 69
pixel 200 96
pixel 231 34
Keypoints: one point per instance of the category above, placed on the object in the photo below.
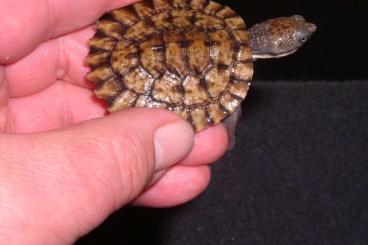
pixel 129 225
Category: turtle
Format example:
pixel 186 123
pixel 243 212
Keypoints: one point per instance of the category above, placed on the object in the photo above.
pixel 192 57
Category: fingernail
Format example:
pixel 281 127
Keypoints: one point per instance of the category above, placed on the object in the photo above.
pixel 172 143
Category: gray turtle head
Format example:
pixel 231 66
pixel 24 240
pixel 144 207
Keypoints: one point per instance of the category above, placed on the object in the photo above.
pixel 279 37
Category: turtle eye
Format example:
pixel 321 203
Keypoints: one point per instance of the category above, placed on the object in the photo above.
pixel 303 39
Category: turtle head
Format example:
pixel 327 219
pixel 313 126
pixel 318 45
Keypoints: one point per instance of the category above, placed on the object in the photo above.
pixel 279 37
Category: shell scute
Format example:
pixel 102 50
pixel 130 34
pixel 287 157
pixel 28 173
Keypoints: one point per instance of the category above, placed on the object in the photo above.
pixel 101 42
pixel 200 118
pixel 174 53
pixel 181 3
pixel 111 29
pixel 182 18
pixel 109 89
pixel 243 71
pixel 100 74
pixel 244 53
pixel 143 30
pixel 124 57
pixel 126 16
pixel 236 23
pixel 194 91
pixel 217 112
pixel 162 21
pixel 225 12
pixel 217 80
pixel 241 36
pixel 188 56
pixel 152 56
pixel 199 4
pixel 161 5
pixel 138 81
pixel 123 101
pixel 147 101
pixel 144 9
pixel 97 57
pixel 229 102
pixel 239 89
pixel 198 51
pixel 207 22
pixel 212 8
pixel 223 49
pixel 167 89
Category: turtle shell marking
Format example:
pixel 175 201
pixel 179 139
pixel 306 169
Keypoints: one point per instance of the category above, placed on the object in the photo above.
pixel 190 57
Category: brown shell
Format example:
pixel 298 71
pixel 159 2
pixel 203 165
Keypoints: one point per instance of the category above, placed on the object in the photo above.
pixel 188 56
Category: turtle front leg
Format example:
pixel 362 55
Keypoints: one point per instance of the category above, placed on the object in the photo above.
pixel 230 124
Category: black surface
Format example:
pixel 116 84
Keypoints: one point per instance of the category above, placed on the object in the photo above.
pixel 337 51
pixel 298 174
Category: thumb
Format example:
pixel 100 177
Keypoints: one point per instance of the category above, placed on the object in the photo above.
pixel 57 186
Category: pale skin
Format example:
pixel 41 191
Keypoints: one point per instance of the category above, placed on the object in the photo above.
pixel 64 165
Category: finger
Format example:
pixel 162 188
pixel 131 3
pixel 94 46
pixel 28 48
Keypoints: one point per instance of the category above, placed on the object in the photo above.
pixel 29 23
pixel 4 97
pixel 58 59
pixel 58 106
pixel 36 71
pixel 193 169
pixel 85 172
pixel 210 145
pixel 64 104
pixel 188 181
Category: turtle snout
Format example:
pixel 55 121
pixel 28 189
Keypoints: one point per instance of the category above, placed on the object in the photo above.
pixel 311 28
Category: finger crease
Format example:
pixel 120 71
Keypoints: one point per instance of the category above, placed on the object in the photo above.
pixel 51 17
pixel 62 65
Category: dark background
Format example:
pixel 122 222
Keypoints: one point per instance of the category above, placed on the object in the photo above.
pixel 338 50
pixel 298 174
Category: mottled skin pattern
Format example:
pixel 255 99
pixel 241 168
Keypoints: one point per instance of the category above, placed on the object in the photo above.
pixel 193 57
pixel 279 37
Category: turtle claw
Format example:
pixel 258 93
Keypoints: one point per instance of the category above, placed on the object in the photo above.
pixel 230 124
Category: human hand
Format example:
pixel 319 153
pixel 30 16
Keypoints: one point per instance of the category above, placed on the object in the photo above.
pixel 64 168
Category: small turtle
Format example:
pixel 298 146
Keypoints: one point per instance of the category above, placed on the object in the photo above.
pixel 192 57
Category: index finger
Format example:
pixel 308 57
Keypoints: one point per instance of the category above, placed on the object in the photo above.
pixel 26 24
